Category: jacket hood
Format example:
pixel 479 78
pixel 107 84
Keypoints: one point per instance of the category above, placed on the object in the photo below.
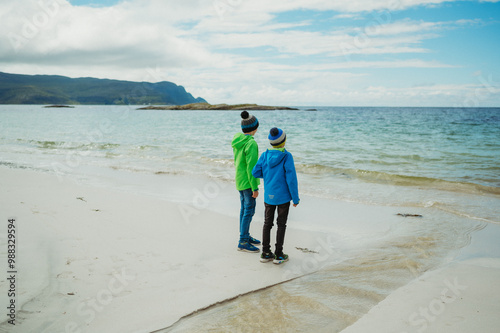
pixel 240 139
pixel 274 157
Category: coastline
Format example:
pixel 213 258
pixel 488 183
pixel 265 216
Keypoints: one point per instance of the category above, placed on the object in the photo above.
pixel 100 259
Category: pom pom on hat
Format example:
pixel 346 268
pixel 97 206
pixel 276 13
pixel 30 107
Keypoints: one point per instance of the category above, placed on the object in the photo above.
pixel 276 136
pixel 249 123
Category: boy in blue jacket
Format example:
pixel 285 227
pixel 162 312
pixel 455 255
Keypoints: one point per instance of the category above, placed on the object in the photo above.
pixel 280 187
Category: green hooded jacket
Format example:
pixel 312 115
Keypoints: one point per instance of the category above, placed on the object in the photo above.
pixel 246 155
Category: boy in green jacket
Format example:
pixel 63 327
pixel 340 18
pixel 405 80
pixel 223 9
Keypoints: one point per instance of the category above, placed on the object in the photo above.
pixel 246 154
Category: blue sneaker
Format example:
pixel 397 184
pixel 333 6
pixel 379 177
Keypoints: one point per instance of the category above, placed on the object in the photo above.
pixel 247 247
pixel 280 259
pixel 253 241
pixel 265 257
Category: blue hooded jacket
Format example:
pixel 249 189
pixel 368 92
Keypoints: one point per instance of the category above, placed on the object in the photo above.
pixel 280 179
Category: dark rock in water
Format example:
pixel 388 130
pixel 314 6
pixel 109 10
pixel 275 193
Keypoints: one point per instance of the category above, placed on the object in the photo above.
pixel 305 250
pixel 311 110
pixel 206 106
pixel 58 106
pixel 409 215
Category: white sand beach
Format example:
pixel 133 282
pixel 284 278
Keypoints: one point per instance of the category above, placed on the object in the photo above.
pixel 94 259
pixel 463 296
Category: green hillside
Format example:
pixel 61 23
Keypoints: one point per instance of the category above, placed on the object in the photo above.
pixel 53 89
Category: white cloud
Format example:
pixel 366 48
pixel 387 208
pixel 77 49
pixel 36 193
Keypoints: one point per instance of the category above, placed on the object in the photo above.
pixel 124 35
pixel 148 32
pixel 402 27
pixel 324 84
pixel 397 37
pixel 347 16
pixel 410 63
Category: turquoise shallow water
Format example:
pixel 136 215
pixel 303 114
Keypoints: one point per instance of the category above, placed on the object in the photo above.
pixel 446 158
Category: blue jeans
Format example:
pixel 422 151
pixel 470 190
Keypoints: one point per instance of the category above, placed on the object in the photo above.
pixel 246 213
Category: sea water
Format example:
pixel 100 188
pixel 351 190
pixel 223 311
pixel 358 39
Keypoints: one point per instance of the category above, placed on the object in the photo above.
pixel 443 163
pixel 446 158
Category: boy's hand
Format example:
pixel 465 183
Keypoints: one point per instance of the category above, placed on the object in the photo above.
pixel 255 194
pixel 295 205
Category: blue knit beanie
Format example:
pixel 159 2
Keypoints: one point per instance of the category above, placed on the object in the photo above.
pixel 276 136
pixel 249 123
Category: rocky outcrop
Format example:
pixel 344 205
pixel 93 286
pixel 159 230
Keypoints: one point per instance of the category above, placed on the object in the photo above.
pixel 206 106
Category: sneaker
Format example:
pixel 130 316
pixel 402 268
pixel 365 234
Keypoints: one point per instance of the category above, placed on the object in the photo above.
pixel 265 257
pixel 247 247
pixel 253 241
pixel 280 259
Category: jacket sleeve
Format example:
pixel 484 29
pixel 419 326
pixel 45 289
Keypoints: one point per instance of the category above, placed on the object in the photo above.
pixel 252 155
pixel 257 169
pixel 291 178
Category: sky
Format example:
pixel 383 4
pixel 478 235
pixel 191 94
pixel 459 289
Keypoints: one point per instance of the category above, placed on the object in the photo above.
pixel 291 53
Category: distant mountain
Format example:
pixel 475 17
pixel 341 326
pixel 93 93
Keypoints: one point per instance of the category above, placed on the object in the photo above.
pixel 53 89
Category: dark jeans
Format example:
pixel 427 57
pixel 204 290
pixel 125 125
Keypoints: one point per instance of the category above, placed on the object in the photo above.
pixel 246 213
pixel 268 225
